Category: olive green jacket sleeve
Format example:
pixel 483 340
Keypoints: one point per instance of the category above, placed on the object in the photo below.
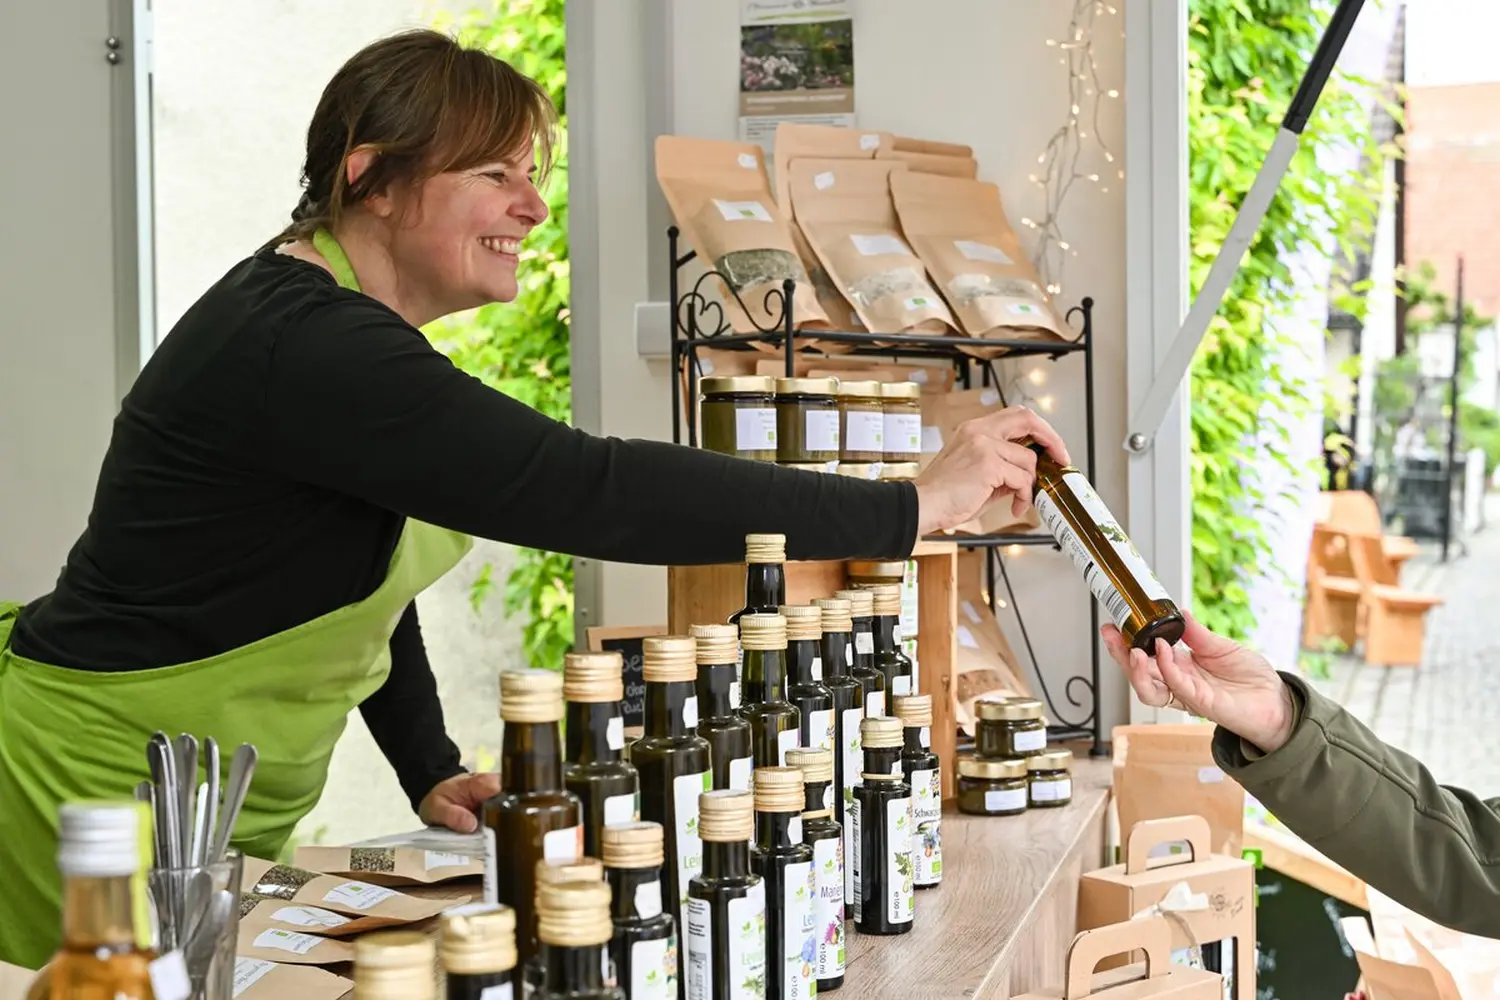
pixel 1377 812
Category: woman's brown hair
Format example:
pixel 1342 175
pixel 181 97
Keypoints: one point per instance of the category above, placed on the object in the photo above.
pixel 426 105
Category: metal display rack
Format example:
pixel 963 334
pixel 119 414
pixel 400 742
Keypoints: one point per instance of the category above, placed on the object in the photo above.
pixel 698 322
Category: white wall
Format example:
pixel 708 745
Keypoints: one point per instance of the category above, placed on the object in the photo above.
pixel 1450 42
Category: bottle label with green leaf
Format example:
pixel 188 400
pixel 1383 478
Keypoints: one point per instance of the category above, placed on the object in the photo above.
pixel 828 865
pixel 685 791
pixel 653 969
pixel 927 820
pixel 901 901
pixel 799 932
pixel 747 943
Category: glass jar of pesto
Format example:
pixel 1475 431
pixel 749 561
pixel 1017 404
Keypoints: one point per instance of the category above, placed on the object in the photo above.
pixel 1009 728
pixel 861 422
pixel 1050 776
pixel 739 415
pixel 991 787
pixel 901 404
pixel 807 420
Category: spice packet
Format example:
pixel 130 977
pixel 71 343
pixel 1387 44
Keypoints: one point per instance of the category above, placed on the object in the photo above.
pixel 844 207
pixel 958 228
pixel 906 143
pixel 934 163
pixel 304 918
pixel 258 979
pixel 262 937
pixel 338 893
pixel 721 198
pixel 399 866
pixel 1165 770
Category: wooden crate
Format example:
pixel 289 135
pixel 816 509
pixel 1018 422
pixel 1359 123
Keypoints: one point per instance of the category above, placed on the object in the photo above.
pixel 699 594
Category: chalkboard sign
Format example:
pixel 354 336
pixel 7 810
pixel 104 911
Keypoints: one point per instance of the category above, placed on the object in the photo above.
pixel 1302 955
pixel 627 641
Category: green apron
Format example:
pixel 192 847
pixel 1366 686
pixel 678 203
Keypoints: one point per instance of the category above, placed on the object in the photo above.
pixel 72 734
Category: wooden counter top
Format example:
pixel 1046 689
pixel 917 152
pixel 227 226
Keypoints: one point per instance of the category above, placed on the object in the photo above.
pixel 1001 922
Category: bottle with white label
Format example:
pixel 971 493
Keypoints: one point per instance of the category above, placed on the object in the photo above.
pixel 885 901
pixel 775 723
pixel 573 921
pixel 608 787
pixel 1117 574
pixel 848 711
pixel 644 948
pixel 892 663
pixel 726 911
pixel 924 773
pixel 727 732
pixel 804 640
pixel 394 965
pixel 534 818
pixel 991 787
pixel 673 762
pixel 825 836
pixel 786 864
pixel 477 949
pixel 1009 727
pixel 862 617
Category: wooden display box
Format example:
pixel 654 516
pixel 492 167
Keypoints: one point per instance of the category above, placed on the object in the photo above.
pixel 702 594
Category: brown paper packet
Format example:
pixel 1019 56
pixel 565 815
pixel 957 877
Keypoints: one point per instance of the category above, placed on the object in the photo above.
pixel 844 208
pixel 906 143
pixel 933 163
pixel 721 198
pixel 1168 770
pixel 398 866
pixel 941 418
pixel 452 893
pixel 263 938
pixel 306 919
pixel 959 229
pixel 257 979
pixel 351 897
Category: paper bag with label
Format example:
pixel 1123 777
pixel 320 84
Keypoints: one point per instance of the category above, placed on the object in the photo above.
pixel 351 897
pixel 1386 978
pixel 941 418
pixel 844 209
pixel 1158 979
pixel 391 865
pixel 721 198
pixel 303 918
pixel 1169 770
pixel 933 163
pixel 261 937
pixel 1460 964
pixel 935 146
pixel 257 979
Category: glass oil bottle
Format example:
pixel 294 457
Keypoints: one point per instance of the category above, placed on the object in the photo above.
pixel 584 869
pixel 573 922
pixel 848 711
pixel 477 949
pixel 1116 572
pixel 727 732
pixel 923 771
pixel 884 899
pixel 594 688
pixel 892 663
pixel 775 722
pixel 395 965
pixel 726 911
pixel 765 576
pixel 805 689
pixel 673 761
pixel 825 836
pixel 871 680
pixel 534 818
pixel 786 864
pixel 644 946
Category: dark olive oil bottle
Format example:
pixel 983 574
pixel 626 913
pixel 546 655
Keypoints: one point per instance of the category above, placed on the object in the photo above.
pixel 594 687
pixel 573 921
pixel 388 965
pixel 765 585
pixel 884 899
pixel 478 950
pixel 848 712
pixel 775 723
pixel 893 664
pixel 786 864
pixel 534 818
pixel 727 732
pixel 871 680
pixel 804 654
pixel 726 910
pixel 825 836
pixel 673 762
pixel 924 773
pixel 585 869
pixel 644 948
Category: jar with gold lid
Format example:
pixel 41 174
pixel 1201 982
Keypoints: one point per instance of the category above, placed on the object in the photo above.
pixel 738 414
pixel 896 472
pixel 807 420
pixel 1050 777
pixel 991 787
pixel 861 422
pixel 901 406
pixel 1011 727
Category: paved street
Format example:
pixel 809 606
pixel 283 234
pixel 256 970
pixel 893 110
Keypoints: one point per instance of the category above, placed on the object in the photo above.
pixel 1447 712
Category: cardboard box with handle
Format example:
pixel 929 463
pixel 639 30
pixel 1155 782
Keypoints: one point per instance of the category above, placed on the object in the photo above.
pixel 1161 980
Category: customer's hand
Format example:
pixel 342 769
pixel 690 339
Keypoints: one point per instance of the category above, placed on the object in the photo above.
pixel 982 462
pixel 1212 677
pixel 455 803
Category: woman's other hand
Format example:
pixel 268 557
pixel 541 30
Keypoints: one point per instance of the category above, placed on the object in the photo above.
pixel 982 462
pixel 455 803
pixel 1212 677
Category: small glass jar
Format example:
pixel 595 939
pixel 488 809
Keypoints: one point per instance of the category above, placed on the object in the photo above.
pixel 1009 728
pixel 807 420
pixel 1050 777
pixel 895 472
pixel 859 470
pixel 861 422
pixel 901 403
pixel 991 787
pixel 738 415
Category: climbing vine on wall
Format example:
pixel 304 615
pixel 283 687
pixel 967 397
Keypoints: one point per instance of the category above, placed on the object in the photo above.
pixel 1246 58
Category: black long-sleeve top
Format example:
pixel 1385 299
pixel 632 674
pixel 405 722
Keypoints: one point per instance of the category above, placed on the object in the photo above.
pixel 261 468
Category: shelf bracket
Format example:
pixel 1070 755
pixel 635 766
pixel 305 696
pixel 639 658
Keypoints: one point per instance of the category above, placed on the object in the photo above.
pixel 1146 420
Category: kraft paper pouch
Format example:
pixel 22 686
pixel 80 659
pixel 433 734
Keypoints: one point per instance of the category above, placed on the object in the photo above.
pixel 257 979
pixel 959 229
pixel 942 416
pixel 351 897
pixel 844 207
pixel 399 866
pixel 934 163
pixel 908 144
pixel 721 198
pixel 1168 770
pixel 304 918
pixel 258 939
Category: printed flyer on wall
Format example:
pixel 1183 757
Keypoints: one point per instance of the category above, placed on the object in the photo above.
pixel 796 65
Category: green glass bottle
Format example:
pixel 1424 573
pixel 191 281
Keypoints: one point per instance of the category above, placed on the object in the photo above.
pixel 923 771
pixel 727 732
pixel 726 911
pixel 477 948
pixel 644 948
pixel 848 711
pixel 573 921
pixel 871 680
pixel 775 722
pixel 786 864
pixel 765 587
pixel 594 688
pixel 804 655
pixel 884 901
pixel 892 663
pixel 585 869
pixel 825 836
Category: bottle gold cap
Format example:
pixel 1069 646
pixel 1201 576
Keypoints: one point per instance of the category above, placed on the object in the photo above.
pixel 632 845
pixel 860 388
pixel 392 964
pixel 861 602
pixel 836 617
pixel 899 472
pixel 765 549
pixel 901 390
pixel 717 644
pixel 803 621
pixel 778 789
pixel 886 598
pixel 584 869
pixel 763 632
pixel 880 571
pixel 726 816
pixel 914 710
pixel 668 658
pixel 1050 760
pixel 574 914
pixel 531 696
pixel 1009 709
pixel 815 763
pixel 594 677
pixel 807 386
pixel 880 731
pixel 478 938
pixel 713 384
pixel 978 767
